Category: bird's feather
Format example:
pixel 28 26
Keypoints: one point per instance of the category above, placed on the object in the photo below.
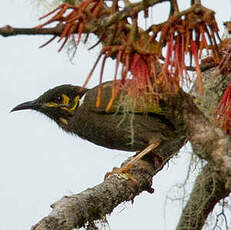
pixel 123 103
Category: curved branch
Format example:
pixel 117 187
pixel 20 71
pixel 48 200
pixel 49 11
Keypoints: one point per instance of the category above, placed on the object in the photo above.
pixel 208 141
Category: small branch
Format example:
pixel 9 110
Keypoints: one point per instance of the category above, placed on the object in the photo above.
pixel 174 7
pixel 132 9
pixel 7 31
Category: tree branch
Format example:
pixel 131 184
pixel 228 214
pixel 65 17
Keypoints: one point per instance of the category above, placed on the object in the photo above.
pixel 94 203
pixel 208 189
pixel 94 26
pixel 210 143
pixel 7 31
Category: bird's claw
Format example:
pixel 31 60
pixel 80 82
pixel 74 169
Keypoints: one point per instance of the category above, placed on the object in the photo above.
pixel 121 173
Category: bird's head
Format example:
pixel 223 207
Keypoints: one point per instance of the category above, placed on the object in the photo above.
pixel 59 103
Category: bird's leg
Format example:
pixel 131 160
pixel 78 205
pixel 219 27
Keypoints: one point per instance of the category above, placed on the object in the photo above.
pixel 124 169
pixel 141 154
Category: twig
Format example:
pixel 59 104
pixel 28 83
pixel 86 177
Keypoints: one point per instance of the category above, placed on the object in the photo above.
pixel 7 31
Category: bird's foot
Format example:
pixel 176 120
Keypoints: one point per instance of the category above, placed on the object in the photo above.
pixel 122 172
pixel 125 169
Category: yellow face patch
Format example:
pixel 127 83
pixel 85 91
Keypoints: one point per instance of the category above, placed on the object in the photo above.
pixel 74 105
pixel 50 104
pixel 66 99
pixel 65 105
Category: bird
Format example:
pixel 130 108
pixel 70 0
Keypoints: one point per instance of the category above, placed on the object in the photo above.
pixel 124 126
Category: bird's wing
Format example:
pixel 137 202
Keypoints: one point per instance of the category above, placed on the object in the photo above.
pixel 121 104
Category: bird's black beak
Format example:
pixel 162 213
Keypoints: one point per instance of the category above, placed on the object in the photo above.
pixel 25 105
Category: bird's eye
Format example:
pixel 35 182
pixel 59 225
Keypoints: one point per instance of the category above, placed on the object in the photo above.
pixel 58 99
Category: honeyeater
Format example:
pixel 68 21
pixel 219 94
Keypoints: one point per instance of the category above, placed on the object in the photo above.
pixel 128 124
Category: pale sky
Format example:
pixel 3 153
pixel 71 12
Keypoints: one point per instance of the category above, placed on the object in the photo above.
pixel 39 163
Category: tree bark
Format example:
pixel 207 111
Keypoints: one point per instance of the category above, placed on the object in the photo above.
pixel 208 189
pixel 95 203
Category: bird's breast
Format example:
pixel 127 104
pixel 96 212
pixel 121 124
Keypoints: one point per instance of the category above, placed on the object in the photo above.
pixel 122 131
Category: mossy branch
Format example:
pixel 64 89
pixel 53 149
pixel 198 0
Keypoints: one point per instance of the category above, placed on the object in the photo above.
pixel 209 189
pixel 93 204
